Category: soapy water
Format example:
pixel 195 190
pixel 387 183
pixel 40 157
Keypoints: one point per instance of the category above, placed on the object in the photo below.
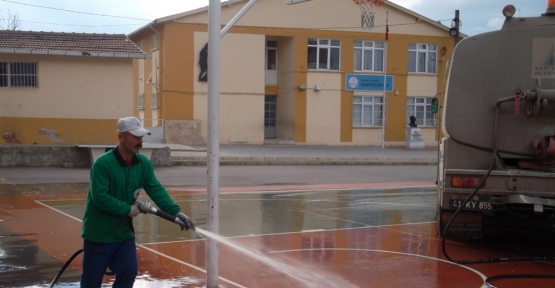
pixel 305 275
pixel 142 281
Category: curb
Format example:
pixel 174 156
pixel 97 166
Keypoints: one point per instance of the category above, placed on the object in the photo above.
pixel 317 161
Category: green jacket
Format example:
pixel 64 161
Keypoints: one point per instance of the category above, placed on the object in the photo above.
pixel 114 187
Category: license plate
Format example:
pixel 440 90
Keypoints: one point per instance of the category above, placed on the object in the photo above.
pixel 470 205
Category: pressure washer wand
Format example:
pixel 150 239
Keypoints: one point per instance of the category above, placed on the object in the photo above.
pixel 167 216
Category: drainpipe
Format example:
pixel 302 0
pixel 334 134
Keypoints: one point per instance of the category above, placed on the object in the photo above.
pixel 156 86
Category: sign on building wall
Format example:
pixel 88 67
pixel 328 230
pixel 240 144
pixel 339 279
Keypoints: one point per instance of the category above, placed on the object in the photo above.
pixel 361 82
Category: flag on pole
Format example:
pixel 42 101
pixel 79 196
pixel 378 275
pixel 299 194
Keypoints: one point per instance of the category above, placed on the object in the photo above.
pixel 386 29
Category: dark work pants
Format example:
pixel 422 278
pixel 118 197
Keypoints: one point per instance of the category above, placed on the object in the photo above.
pixel 120 257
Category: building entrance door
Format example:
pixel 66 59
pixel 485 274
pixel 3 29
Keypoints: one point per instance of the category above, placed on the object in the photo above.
pixel 270 109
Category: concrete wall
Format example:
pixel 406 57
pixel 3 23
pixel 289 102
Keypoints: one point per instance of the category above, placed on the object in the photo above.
pixel 185 132
pixel 61 156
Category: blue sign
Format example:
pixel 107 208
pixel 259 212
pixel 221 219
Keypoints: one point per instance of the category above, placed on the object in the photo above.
pixel 362 82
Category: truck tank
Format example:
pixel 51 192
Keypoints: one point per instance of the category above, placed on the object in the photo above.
pixel 500 99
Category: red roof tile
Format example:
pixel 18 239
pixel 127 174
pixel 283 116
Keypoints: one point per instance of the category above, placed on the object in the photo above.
pixel 75 42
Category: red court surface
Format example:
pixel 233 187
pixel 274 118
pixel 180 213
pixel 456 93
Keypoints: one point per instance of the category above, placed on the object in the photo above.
pixel 350 236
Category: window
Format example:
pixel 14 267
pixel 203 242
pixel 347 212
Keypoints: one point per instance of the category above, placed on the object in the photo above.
pixel 18 74
pixel 271 55
pixel 369 55
pixel 422 58
pixel 154 100
pixel 421 108
pixel 367 111
pixel 141 101
pixel 323 54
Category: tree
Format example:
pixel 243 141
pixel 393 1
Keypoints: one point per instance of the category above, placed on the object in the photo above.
pixel 9 20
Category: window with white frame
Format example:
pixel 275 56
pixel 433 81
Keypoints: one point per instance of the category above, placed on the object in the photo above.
pixel 367 111
pixel 18 74
pixel 422 58
pixel 369 55
pixel 421 108
pixel 323 54
pixel 141 101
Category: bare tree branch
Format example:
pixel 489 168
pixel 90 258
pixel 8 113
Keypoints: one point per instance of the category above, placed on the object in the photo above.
pixel 9 20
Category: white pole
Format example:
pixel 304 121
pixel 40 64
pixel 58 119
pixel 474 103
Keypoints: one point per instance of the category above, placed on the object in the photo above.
pixel 384 80
pixel 213 147
pixel 237 17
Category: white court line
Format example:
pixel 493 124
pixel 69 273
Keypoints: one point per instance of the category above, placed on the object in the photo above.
pixel 149 249
pixel 50 207
pixel 258 235
pixel 385 251
pixel 187 264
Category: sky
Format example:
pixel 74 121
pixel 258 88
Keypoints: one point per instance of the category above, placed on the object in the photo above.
pixel 477 16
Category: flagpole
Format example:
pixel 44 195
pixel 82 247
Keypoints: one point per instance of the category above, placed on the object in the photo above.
pixel 384 78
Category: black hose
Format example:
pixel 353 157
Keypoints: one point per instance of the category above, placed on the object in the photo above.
pixel 158 213
pixel 507 276
pixel 64 268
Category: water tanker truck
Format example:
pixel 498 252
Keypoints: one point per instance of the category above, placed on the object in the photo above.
pixel 497 157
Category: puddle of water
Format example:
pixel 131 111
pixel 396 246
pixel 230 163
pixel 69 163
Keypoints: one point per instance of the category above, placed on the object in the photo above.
pixel 142 281
pixel 305 275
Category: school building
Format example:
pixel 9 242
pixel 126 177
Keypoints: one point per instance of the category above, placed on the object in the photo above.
pixel 305 73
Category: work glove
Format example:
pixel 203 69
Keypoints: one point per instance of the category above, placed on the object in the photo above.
pixel 134 210
pixel 145 206
pixel 187 223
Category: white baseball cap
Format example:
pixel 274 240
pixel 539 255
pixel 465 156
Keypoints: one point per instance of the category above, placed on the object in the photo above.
pixel 133 126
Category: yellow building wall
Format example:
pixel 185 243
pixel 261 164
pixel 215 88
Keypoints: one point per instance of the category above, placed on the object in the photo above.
pixel 346 106
pixel 58 131
pixel 72 87
pixel 323 120
pixel 367 136
pixel 241 90
pixel 177 79
pixel 300 101
pixel 317 15
pixel 78 100
pixel 286 88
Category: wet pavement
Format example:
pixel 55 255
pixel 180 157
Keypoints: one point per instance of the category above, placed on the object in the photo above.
pixel 380 235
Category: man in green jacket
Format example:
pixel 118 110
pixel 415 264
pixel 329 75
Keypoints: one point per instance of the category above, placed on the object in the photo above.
pixel 117 178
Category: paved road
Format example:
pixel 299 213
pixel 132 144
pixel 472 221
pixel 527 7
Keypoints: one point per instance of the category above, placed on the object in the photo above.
pixel 241 154
pixel 239 176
